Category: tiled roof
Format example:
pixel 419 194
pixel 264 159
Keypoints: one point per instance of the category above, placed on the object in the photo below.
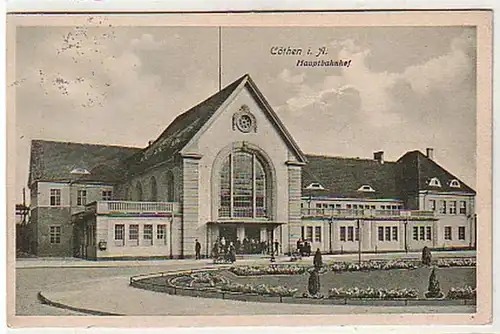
pixel 416 170
pixel 342 177
pixel 54 161
pixel 183 128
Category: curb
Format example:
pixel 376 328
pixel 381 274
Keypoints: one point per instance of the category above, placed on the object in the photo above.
pixel 46 301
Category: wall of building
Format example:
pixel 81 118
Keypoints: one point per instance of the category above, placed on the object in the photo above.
pixel 352 203
pixel 214 145
pixel 46 217
pixel 162 248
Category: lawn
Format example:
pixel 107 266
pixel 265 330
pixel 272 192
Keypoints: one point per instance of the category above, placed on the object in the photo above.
pixel 388 279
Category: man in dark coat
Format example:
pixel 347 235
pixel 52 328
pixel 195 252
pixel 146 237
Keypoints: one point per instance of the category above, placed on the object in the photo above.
pixel 197 249
pixel 276 247
pixel 318 261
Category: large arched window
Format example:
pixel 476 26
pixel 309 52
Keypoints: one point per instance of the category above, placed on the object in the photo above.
pixel 154 189
pixel 138 191
pixel 242 187
pixel 170 187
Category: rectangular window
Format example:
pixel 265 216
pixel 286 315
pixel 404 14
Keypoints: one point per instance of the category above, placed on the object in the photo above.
pixel 309 235
pixel 415 232
pixel 428 232
pixel 318 205
pixel 382 207
pixel 161 231
pixel 302 233
pixel 367 206
pixel 81 198
pixel 355 206
pixel 350 233
pixel 342 233
pixel 463 208
pixel 348 206
pixel 317 234
pixel 356 235
pixel 380 233
pixel 55 197
pixel 422 232
pixel 148 232
pixel 447 233
pixel 394 233
pixel 443 207
pixel 461 233
pixel 55 234
pixel 453 207
pixel 119 231
pixel 387 233
pixel 338 206
pixel 432 205
pixel 372 207
pixel 106 195
pixel 133 232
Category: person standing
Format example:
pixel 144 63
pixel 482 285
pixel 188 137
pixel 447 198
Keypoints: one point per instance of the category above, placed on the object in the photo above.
pixel 276 247
pixel 318 261
pixel 197 249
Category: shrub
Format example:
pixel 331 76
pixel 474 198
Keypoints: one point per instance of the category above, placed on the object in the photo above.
pixel 466 292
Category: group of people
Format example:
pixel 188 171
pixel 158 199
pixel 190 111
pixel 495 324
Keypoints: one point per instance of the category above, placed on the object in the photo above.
pixel 247 246
pixel 304 247
pixel 224 249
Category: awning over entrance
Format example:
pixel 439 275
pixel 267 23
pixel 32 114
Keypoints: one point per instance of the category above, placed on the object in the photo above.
pixel 253 222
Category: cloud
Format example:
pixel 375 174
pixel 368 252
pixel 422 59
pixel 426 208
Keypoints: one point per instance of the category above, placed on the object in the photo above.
pixel 445 71
pixel 148 42
pixel 286 76
pixel 378 105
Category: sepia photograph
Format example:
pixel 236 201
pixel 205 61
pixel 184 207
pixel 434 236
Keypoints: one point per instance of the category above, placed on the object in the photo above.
pixel 186 167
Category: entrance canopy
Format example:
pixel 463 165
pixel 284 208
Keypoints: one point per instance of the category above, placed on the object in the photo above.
pixel 231 222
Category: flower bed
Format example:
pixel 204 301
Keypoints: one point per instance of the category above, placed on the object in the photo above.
pixel 460 262
pixel 373 265
pixel 261 289
pixel 269 270
pixel 466 292
pixel 206 278
pixel 373 293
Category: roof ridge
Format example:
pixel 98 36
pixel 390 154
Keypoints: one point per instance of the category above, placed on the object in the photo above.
pixel 84 144
pixel 345 158
pixel 222 91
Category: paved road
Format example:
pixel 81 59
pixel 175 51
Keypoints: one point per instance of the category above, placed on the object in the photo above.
pixel 33 276
pixel 29 281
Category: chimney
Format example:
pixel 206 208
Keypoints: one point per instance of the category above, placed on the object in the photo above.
pixel 430 153
pixel 379 156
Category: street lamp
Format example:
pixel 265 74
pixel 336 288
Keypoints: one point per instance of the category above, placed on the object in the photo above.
pixel 359 241
pixel 170 235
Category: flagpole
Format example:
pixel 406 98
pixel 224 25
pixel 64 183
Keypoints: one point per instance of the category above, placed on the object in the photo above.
pixel 220 62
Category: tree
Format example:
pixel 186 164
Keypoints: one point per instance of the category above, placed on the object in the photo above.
pixel 314 284
pixel 433 290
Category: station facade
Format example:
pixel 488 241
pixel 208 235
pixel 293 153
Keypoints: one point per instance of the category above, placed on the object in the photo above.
pixel 229 168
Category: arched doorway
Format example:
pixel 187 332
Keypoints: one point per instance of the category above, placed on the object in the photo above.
pixel 154 189
pixel 170 187
pixel 138 191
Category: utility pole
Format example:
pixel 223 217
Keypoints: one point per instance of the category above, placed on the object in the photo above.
pixel 220 59
pixel 359 242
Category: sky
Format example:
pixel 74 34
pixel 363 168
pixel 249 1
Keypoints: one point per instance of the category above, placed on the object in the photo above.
pixel 407 88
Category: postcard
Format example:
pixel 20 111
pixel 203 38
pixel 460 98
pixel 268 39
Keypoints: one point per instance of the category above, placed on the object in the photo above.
pixel 263 169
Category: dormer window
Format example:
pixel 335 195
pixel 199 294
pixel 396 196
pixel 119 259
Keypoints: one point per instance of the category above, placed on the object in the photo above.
pixel 366 188
pixel 434 182
pixel 315 186
pixel 454 184
pixel 80 171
